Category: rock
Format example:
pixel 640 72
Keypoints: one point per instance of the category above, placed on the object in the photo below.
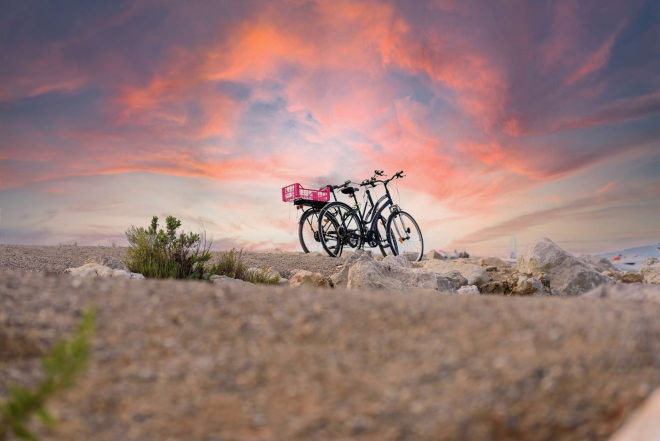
pixel 474 274
pixel 651 270
pixel 494 287
pixel 644 423
pixel 631 277
pixel 629 292
pixel 122 274
pixel 492 261
pixel 433 254
pixel 599 264
pixel 393 273
pixel 101 271
pixel 400 261
pixel 367 273
pixel 468 290
pixel 230 282
pixel 528 286
pixel 567 274
pixel 308 278
pixel 455 278
pixel 340 278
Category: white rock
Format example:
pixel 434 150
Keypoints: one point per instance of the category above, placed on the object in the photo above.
pixel 101 271
pixel 391 274
pixel 474 274
pixel 468 290
pixel 400 261
pixel 340 278
pixel 651 270
pixel 644 423
pixel 567 274
pixel 122 274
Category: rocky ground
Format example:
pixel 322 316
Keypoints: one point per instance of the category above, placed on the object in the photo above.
pixel 203 361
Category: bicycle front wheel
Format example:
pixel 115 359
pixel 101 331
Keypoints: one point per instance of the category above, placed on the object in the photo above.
pixel 404 236
pixel 381 230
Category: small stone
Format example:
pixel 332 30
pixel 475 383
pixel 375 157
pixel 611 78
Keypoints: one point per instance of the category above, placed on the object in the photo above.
pixel 468 290
pixel 308 278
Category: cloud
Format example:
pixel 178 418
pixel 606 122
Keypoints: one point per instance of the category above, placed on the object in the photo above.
pixel 476 113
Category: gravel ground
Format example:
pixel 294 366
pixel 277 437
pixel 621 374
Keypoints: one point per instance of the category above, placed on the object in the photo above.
pixel 55 259
pixel 194 361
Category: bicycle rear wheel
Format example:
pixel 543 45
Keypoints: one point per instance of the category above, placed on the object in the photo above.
pixel 339 226
pixel 308 234
pixel 404 236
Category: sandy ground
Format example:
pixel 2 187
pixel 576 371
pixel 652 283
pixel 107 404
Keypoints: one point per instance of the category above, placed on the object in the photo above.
pixel 194 361
pixel 55 259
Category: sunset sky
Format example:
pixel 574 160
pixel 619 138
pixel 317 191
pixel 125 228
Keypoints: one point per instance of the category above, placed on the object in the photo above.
pixel 509 118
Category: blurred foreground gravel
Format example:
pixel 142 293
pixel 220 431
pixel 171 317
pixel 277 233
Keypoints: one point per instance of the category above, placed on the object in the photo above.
pixel 177 360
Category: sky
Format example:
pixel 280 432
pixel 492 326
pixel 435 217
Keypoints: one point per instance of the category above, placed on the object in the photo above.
pixel 512 120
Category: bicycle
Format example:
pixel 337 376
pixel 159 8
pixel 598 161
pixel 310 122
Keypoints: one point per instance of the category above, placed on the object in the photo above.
pixel 311 202
pixel 340 225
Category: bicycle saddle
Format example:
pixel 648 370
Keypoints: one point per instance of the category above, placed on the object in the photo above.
pixel 349 190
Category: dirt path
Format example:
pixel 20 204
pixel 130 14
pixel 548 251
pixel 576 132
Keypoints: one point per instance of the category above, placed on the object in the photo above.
pixel 190 360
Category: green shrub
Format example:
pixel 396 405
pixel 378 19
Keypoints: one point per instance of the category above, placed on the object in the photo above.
pixel 163 254
pixel 156 253
pixel 230 264
pixel 61 365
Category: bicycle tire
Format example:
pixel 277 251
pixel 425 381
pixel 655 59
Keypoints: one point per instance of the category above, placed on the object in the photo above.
pixel 304 221
pixel 395 237
pixel 346 225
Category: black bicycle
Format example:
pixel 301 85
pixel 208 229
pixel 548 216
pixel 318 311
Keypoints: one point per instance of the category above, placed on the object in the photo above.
pixel 340 225
pixel 308 234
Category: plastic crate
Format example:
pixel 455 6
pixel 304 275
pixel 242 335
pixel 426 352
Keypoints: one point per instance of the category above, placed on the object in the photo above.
pixel 296 191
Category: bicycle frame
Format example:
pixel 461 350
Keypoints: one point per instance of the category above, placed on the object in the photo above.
pixel 371 212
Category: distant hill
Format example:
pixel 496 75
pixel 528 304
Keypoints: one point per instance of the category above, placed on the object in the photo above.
pixel 632 258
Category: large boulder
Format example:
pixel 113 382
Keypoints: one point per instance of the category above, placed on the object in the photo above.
pixel 392 273
pixel 566 274
pixel 473 273
pixel 340 278
pixel 651 270
pixel 630 292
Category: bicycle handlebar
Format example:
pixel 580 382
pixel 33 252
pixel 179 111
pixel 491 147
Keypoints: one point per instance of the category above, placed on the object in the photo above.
pixel 336 187
pixel 372 181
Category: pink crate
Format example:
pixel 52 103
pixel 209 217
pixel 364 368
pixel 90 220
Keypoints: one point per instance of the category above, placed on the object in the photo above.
pixel 296 191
